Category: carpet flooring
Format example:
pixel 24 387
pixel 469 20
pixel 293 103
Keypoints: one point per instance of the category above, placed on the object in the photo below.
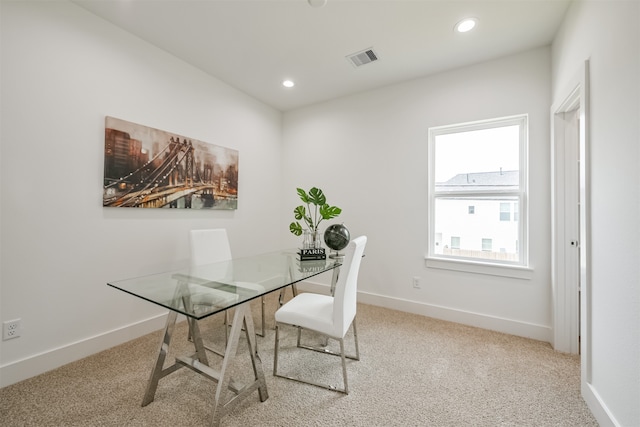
pixel 414 371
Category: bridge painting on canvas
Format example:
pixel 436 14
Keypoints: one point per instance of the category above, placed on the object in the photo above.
pixel 151 168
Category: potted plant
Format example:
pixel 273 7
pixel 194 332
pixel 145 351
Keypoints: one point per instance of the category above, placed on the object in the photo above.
pixel 312 213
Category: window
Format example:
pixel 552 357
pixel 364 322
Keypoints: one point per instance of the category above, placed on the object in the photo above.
pixel 455 242
pixel 505 211
pixel 479 168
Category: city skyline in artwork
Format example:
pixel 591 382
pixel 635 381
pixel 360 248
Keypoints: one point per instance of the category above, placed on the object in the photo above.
pixel 151 168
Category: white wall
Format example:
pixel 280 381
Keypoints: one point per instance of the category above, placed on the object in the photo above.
pixel 606 33
pixel 368 152
pixel 64 70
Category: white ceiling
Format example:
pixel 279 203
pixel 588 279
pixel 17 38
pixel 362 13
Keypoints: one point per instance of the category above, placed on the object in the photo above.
pixel 253 45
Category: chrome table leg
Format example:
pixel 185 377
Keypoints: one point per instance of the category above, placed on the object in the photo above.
pixel 157 373
pixel 222 405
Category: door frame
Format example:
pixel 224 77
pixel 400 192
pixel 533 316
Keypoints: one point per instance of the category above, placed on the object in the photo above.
pixel 571 309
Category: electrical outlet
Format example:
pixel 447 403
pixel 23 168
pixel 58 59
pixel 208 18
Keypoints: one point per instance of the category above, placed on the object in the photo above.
pixel 416 282
pixel 10 329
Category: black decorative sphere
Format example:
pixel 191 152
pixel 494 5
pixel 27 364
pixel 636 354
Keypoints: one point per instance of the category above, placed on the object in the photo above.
pixel 336 237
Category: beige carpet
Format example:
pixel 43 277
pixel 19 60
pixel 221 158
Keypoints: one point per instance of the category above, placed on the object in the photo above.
pixel 414 371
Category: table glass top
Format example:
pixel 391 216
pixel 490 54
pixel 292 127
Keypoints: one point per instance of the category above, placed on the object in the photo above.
pixel 201 291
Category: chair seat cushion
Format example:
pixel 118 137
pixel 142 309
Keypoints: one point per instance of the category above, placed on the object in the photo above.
pixel 309 311
pixel 203 295
pixel 249 285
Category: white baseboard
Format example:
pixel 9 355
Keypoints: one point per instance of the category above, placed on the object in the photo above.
pixel 600 412
pixel 508 326
pixel 31 366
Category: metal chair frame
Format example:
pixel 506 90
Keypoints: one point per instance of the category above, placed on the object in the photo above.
pixel 343 356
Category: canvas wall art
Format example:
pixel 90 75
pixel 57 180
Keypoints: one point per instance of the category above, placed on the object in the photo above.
pixel 150 168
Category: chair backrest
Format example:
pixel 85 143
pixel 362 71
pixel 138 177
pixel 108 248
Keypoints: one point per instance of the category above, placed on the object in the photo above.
pixel 210 245
pixel 345 294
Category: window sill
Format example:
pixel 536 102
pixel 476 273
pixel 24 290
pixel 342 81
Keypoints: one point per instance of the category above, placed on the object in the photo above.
pixel 503 270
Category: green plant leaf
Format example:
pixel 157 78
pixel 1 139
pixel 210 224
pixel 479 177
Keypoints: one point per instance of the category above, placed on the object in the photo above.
pixel 303 195
pixel 299 212
pixel 329 212
pixel 295 228
pixel 317 197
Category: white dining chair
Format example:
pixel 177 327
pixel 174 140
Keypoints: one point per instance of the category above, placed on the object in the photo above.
pixel 212 245
pixel 331 316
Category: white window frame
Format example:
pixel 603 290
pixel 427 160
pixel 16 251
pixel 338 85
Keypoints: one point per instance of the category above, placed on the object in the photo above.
pixel 518 269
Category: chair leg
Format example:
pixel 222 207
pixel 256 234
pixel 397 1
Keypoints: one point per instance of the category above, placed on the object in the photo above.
pixel 275 352
pixel 262 306
pixel 227 323
pixel 342 355
pixel 344 366
pixel 355 339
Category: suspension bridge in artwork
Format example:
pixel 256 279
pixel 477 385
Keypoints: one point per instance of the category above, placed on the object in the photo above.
pixel 169 176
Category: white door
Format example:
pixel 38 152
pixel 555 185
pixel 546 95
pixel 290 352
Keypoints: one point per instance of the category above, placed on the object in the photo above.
pixel 572 222
pixel 566 227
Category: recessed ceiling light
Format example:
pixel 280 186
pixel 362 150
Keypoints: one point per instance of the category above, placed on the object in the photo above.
pixel 466 25
pixel 288 83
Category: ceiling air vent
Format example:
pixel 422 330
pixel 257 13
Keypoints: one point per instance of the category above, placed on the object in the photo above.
pixel 364 57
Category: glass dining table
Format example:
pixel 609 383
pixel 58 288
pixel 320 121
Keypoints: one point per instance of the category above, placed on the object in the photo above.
pixel 202 291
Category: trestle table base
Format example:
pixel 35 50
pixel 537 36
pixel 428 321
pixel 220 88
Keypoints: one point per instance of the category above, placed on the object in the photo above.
pixel 223 403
